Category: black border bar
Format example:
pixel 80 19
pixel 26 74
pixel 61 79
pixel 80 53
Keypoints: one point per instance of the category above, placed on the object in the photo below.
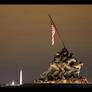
pixel 46 2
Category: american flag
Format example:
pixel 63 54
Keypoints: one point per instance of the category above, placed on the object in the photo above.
pixel 53 33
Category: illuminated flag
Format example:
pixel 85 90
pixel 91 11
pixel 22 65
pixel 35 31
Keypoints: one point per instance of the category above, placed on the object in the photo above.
pixel 53 33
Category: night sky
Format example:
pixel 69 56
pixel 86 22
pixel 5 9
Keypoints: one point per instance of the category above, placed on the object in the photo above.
pixel 25 38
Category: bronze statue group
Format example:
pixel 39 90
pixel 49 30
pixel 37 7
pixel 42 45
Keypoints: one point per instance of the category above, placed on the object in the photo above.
pixel 63 66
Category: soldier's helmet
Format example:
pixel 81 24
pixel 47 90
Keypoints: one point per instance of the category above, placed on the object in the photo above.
pixel 57 54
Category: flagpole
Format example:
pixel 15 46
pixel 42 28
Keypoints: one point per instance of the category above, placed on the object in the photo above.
pixel 52 23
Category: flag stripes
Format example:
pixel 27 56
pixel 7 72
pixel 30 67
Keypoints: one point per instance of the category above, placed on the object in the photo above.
pixel 53 34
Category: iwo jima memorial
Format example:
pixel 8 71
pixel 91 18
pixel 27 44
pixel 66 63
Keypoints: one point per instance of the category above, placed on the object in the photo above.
pixel 63 71
pixel 64 68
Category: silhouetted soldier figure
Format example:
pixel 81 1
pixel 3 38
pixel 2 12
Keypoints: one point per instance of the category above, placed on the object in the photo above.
pixel 64 52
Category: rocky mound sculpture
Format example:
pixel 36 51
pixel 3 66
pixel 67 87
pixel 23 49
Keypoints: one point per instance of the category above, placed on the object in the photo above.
pixel 63 69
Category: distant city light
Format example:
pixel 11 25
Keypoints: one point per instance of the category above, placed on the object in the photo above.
pixel 13 83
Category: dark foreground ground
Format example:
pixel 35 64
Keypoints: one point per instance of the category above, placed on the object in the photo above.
pixel 52 86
